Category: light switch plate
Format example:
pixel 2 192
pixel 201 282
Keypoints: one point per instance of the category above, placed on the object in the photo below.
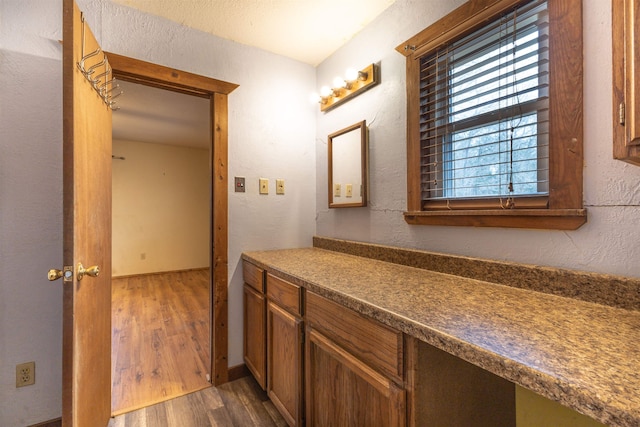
pixel 336 190
pixel 348 189
pixel 239 184
pixel 264 186
pixel 280 186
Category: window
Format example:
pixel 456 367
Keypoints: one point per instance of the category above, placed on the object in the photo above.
pixel 494 116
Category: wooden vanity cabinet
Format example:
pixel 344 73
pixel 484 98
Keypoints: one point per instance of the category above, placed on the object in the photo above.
pixel 255 317
pixel 323 364
pixel 285 349
pixel 353 368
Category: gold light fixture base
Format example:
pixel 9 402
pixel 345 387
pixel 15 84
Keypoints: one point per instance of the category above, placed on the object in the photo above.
pixel 369 77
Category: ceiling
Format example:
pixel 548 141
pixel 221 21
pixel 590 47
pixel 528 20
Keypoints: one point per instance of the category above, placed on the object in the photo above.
pixel 148 114
pixel 305 30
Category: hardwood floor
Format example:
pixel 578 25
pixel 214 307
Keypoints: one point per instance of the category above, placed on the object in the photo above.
pixel 160 338
pixel 240 403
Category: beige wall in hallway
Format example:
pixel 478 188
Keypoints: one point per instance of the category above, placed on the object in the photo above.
pixel 160 208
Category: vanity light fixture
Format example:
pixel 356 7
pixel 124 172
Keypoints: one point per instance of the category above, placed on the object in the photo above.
pixel 352 84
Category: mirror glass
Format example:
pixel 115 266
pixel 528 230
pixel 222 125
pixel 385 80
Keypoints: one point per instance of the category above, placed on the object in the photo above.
pixel 348 166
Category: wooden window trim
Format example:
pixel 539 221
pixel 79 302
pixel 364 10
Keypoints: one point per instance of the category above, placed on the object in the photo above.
pixel 565 210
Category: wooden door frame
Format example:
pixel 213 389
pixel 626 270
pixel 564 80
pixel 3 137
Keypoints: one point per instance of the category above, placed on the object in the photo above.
pixel 137 71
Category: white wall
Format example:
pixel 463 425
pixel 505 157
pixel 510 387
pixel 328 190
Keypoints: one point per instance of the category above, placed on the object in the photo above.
pixel 271 134
pixel 608 243
pixel 160 208
pixel 30 209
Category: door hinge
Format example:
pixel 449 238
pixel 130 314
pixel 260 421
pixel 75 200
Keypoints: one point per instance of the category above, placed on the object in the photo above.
pixel 621 113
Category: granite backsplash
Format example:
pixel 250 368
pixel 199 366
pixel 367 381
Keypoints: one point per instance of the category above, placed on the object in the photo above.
pixel 615 291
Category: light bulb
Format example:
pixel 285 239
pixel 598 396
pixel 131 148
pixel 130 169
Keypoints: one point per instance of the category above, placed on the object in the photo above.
pixel 351 75
pixel 325 91
pixel 339 82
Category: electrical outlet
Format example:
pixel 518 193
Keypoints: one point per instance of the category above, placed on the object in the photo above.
pixel 349 190
pixel 25 374
pixel 264 186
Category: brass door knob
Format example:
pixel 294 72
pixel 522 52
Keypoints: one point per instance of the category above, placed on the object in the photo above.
pixel 92 271
pixel 54 274
pixel 66 274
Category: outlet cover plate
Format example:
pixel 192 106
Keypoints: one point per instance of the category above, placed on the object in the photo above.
pixel 264 186
pixel 25 374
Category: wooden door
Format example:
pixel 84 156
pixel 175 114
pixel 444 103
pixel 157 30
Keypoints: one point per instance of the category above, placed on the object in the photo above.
pixel 341 390
pixel 626 80
pixel 284 363
pixel 86 372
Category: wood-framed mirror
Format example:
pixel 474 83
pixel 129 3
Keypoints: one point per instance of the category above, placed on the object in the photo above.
pixel 348 166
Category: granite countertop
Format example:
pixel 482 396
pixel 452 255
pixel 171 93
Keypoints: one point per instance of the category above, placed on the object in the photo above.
pixel 581 354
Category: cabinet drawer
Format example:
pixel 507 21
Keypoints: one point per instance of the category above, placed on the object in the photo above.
pixel 374 343
pixel 285 294
pixel 253 276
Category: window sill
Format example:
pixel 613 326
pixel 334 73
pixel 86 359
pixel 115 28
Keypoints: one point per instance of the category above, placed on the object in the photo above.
pixel 550 219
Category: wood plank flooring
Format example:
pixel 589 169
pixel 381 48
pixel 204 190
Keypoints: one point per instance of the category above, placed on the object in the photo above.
pixel 240 403
pixel 160 338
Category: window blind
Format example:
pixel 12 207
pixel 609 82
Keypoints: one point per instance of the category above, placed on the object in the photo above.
pixel 484 115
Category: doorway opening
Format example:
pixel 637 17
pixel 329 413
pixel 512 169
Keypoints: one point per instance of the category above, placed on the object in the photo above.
pixel 214 93
pixel 160 242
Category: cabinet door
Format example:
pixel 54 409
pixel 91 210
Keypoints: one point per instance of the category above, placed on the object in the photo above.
pixel 626 76
pixel 254 334
pixel 343 391
pixel 284 356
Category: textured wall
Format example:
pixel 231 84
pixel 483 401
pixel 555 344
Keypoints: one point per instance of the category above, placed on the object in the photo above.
pixel 30 208
pixel 606 244
pixel 271 134
pixel 30 235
